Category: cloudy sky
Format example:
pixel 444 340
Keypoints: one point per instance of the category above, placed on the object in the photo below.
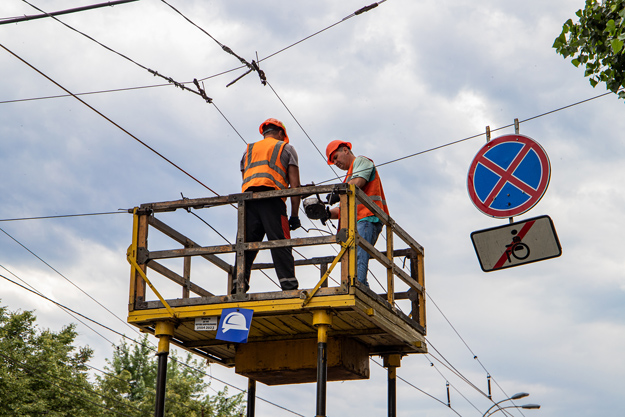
pixel 399 80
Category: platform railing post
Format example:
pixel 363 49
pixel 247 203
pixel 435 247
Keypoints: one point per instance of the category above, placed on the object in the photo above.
pixel 251 397
pixel 391 363
pixel 322 321
pixel 164 331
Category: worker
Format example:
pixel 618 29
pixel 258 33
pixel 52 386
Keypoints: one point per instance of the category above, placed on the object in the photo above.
pixel 271 164
pixel 361 172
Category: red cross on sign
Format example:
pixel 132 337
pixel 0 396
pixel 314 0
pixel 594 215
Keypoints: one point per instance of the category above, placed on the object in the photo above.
pixel 508 176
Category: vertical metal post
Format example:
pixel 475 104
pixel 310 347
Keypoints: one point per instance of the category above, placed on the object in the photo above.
pixel 164 331
pixel 516 131
pixel 251 397
pixel 322 321
pixel 239 273
pixel 391 363
pixel 390 277
pixel 487 134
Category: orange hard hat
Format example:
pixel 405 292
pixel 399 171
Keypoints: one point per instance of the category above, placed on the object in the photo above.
pixel 276 123
pixel 333 146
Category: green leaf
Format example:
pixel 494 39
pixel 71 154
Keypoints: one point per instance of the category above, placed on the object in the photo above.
pixel 575 62
pixel 617 45
pixel 610 27
pixel 593 82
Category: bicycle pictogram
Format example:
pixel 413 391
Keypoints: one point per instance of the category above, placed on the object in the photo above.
pixel 517 249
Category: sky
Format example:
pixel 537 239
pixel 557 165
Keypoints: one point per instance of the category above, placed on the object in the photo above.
pixel 401 80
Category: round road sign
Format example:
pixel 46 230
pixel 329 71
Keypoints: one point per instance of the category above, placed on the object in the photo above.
pixel 508 176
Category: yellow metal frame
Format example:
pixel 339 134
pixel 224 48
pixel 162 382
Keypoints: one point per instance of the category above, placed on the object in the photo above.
pixel 131 257
pixel 316 298
pixel 325 276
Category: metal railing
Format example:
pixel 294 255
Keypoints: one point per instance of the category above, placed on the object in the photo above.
pixel 347 238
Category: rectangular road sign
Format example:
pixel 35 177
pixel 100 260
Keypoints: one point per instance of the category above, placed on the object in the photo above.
pixel 516 244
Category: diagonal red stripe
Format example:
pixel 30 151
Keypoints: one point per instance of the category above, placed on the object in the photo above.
pixel 506 175
pixel 526 227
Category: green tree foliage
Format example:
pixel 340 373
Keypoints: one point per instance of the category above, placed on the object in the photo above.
pixel 597 41
pixel 131 379
pixel 41 372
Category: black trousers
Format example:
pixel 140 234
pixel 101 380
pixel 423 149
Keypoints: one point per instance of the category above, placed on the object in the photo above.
pixel 268 217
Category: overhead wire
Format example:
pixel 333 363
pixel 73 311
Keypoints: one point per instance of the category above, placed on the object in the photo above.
pixel 408 156
pixel 419 389
pixel 70 313
pixel 60 216
pixel 67 279
pixel 109 120
pixel 139 343
pixel 425 356
pixel 38 375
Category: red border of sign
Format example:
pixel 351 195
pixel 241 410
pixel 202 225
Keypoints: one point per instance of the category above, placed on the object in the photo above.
pixel 536 194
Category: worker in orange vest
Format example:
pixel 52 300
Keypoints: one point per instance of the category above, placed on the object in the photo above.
pixel 271 164
pixel 361 172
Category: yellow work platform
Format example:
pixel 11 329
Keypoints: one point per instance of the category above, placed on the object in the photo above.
pixel 282 344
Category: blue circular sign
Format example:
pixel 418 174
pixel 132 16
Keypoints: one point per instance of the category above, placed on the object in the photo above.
pixel 508 176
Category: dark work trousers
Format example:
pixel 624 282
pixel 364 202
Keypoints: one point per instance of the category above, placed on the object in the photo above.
pixel 268 217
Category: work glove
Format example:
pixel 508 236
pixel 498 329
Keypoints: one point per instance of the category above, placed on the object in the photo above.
pixel 294 223
pixel 325 217
pixel 333 198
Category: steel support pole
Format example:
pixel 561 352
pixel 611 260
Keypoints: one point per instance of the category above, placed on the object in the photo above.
pixel 251 397
pixel 392 391
pixel 164 331
pixel 161 379
pixel 391 363
pixel 322 321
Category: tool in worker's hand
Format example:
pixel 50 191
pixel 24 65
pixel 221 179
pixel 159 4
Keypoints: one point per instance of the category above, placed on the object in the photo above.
pixel 315 209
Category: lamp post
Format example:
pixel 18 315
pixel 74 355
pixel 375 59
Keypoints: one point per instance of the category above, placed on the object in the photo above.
pixel 524 406
pixel 516 396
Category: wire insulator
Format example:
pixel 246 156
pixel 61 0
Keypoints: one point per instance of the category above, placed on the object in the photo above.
pixel 366 9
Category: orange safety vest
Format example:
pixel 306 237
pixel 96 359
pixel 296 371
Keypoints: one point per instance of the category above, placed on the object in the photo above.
pixel 262 165
pixel 373 189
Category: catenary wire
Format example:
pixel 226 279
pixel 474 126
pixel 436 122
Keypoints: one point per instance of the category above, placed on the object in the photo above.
pixel 446 380
pixel 419 389
pixel 60 216
pixel 37 374
pixel 67 279
pixel 110 121
pixel 136 342
pixel 313 142
pixel 70 313
pixel 5 21
pixel 495 129
pixel 475 357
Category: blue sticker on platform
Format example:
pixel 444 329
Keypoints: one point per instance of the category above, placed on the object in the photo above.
pixel 234 325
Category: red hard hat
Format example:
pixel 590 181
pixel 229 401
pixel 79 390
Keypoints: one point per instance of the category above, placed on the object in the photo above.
pixel 276 123
pixel 333 146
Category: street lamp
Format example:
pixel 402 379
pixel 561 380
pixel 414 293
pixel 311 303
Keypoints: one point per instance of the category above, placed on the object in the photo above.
pixel 516 396
pixel 525 406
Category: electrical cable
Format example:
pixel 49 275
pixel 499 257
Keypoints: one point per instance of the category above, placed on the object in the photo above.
pixel 136 342
pixel 418 389
pixel 5 21
pixel 292 114
pixel 182 86
pixel 60 216
pixel 37 374
pixel 71 314
pixel 110 121
pixel 446 380
pixel 475 357
pixel 67 279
